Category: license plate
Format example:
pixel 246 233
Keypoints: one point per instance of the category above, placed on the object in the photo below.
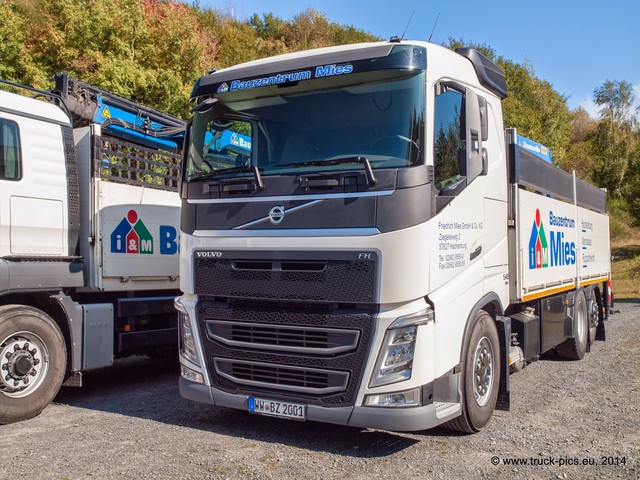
pixel 276 408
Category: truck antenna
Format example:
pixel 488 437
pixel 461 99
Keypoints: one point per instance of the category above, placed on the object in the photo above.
pixel 434 27
pixel 407 27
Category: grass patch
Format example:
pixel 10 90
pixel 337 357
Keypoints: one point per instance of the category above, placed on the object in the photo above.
pixel 625 249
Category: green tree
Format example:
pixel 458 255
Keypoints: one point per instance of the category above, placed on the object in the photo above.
pixel 149 50
pixel 616 100
pixel 615 140
pixel 310 29
pixel 579 155
pixel 176 50
pixel 535 109
pixel 16 62
pixel 533 106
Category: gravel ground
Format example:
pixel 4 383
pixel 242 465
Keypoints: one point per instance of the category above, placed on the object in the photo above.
pixel 130 422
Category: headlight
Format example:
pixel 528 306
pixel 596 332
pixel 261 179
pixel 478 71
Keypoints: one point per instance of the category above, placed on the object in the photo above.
pixel 395 361
pixel 187 342
pixel 396 356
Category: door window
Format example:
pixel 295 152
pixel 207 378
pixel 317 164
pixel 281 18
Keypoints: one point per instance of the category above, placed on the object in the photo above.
pixel 10 166
pixel 448 137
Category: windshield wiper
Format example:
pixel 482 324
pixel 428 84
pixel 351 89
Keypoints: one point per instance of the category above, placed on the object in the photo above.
pixel 243 169
pixel 368 171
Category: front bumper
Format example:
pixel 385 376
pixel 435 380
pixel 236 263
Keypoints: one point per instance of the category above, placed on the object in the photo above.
pixel 395 419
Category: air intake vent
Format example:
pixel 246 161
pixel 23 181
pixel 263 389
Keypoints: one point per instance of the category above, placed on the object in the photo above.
pixel 283 338
pixel 289 378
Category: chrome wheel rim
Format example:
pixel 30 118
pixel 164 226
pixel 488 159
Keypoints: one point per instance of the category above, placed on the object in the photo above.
pixel 24 362
pixel 483 371
pixel 593 320
pixel 580 320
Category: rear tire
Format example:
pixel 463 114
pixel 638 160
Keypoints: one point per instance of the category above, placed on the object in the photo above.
pixel 575 348
pixel 594 316
pixel 481 375
pixel 33 361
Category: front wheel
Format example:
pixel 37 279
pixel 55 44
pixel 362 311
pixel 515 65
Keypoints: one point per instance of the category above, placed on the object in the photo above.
pixel 32 362
pixel 481 375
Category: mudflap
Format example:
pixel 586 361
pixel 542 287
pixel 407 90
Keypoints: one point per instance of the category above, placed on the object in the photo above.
pixel 601 334
pixel 504 333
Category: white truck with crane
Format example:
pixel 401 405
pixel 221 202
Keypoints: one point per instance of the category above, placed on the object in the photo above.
pixel 89 247
pixel 382 253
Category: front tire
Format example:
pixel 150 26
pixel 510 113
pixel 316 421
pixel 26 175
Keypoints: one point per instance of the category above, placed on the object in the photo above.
pixel 481 375
pixel 33 360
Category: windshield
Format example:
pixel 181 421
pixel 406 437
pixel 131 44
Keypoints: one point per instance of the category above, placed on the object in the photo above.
pixel 311 125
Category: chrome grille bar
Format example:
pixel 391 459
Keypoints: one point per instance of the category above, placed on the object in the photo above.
pixel 289 378
pixel 283 338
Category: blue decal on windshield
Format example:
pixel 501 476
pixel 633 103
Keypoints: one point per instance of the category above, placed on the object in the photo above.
pixel 280 78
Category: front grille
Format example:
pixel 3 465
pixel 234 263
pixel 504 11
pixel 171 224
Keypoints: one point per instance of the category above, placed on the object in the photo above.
pixel 294 379
pixel 285 338
pixel 324 277
pixel 299 351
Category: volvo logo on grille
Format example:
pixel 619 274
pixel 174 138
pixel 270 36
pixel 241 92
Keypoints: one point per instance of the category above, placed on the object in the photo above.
pixel 276 214
pixel 209 254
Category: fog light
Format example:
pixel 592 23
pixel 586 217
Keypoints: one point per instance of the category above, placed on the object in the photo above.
pixel 191 375
pixel 407 398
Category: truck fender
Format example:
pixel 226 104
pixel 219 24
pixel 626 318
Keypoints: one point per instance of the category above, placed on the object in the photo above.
pixel 492 304
pixel 71 317
pixel 595 308
pixel 603 313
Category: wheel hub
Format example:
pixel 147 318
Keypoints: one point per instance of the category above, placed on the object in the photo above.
pixel 21 363
pixel 483 372
pixel 594 314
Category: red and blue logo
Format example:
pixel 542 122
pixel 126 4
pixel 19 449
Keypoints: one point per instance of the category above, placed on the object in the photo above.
pixel 538 246
pixel 131 236
pixel 559 250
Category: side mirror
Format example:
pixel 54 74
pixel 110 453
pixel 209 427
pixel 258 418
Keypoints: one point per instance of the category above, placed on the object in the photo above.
pixel 473 136
pixel 484 118
pixel 485 162
pixel 184 160
pixel 484 126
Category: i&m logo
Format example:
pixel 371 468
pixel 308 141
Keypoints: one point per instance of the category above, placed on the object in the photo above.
pixel 538 247
pixel 558 251
pixel 131 236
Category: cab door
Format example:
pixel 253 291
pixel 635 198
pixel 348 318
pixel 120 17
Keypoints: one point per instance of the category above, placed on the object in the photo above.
pixel 457 233
pixel 33 187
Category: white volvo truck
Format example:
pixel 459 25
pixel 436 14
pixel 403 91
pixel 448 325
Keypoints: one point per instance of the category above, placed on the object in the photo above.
pixel 381 253
pixel 89 259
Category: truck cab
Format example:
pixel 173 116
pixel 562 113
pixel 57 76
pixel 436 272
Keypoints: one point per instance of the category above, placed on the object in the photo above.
pixel 356 267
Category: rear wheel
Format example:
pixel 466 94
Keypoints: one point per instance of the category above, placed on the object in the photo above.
pixel 594 316
pixel 32 362
pixel 481 374
pixel 575 348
